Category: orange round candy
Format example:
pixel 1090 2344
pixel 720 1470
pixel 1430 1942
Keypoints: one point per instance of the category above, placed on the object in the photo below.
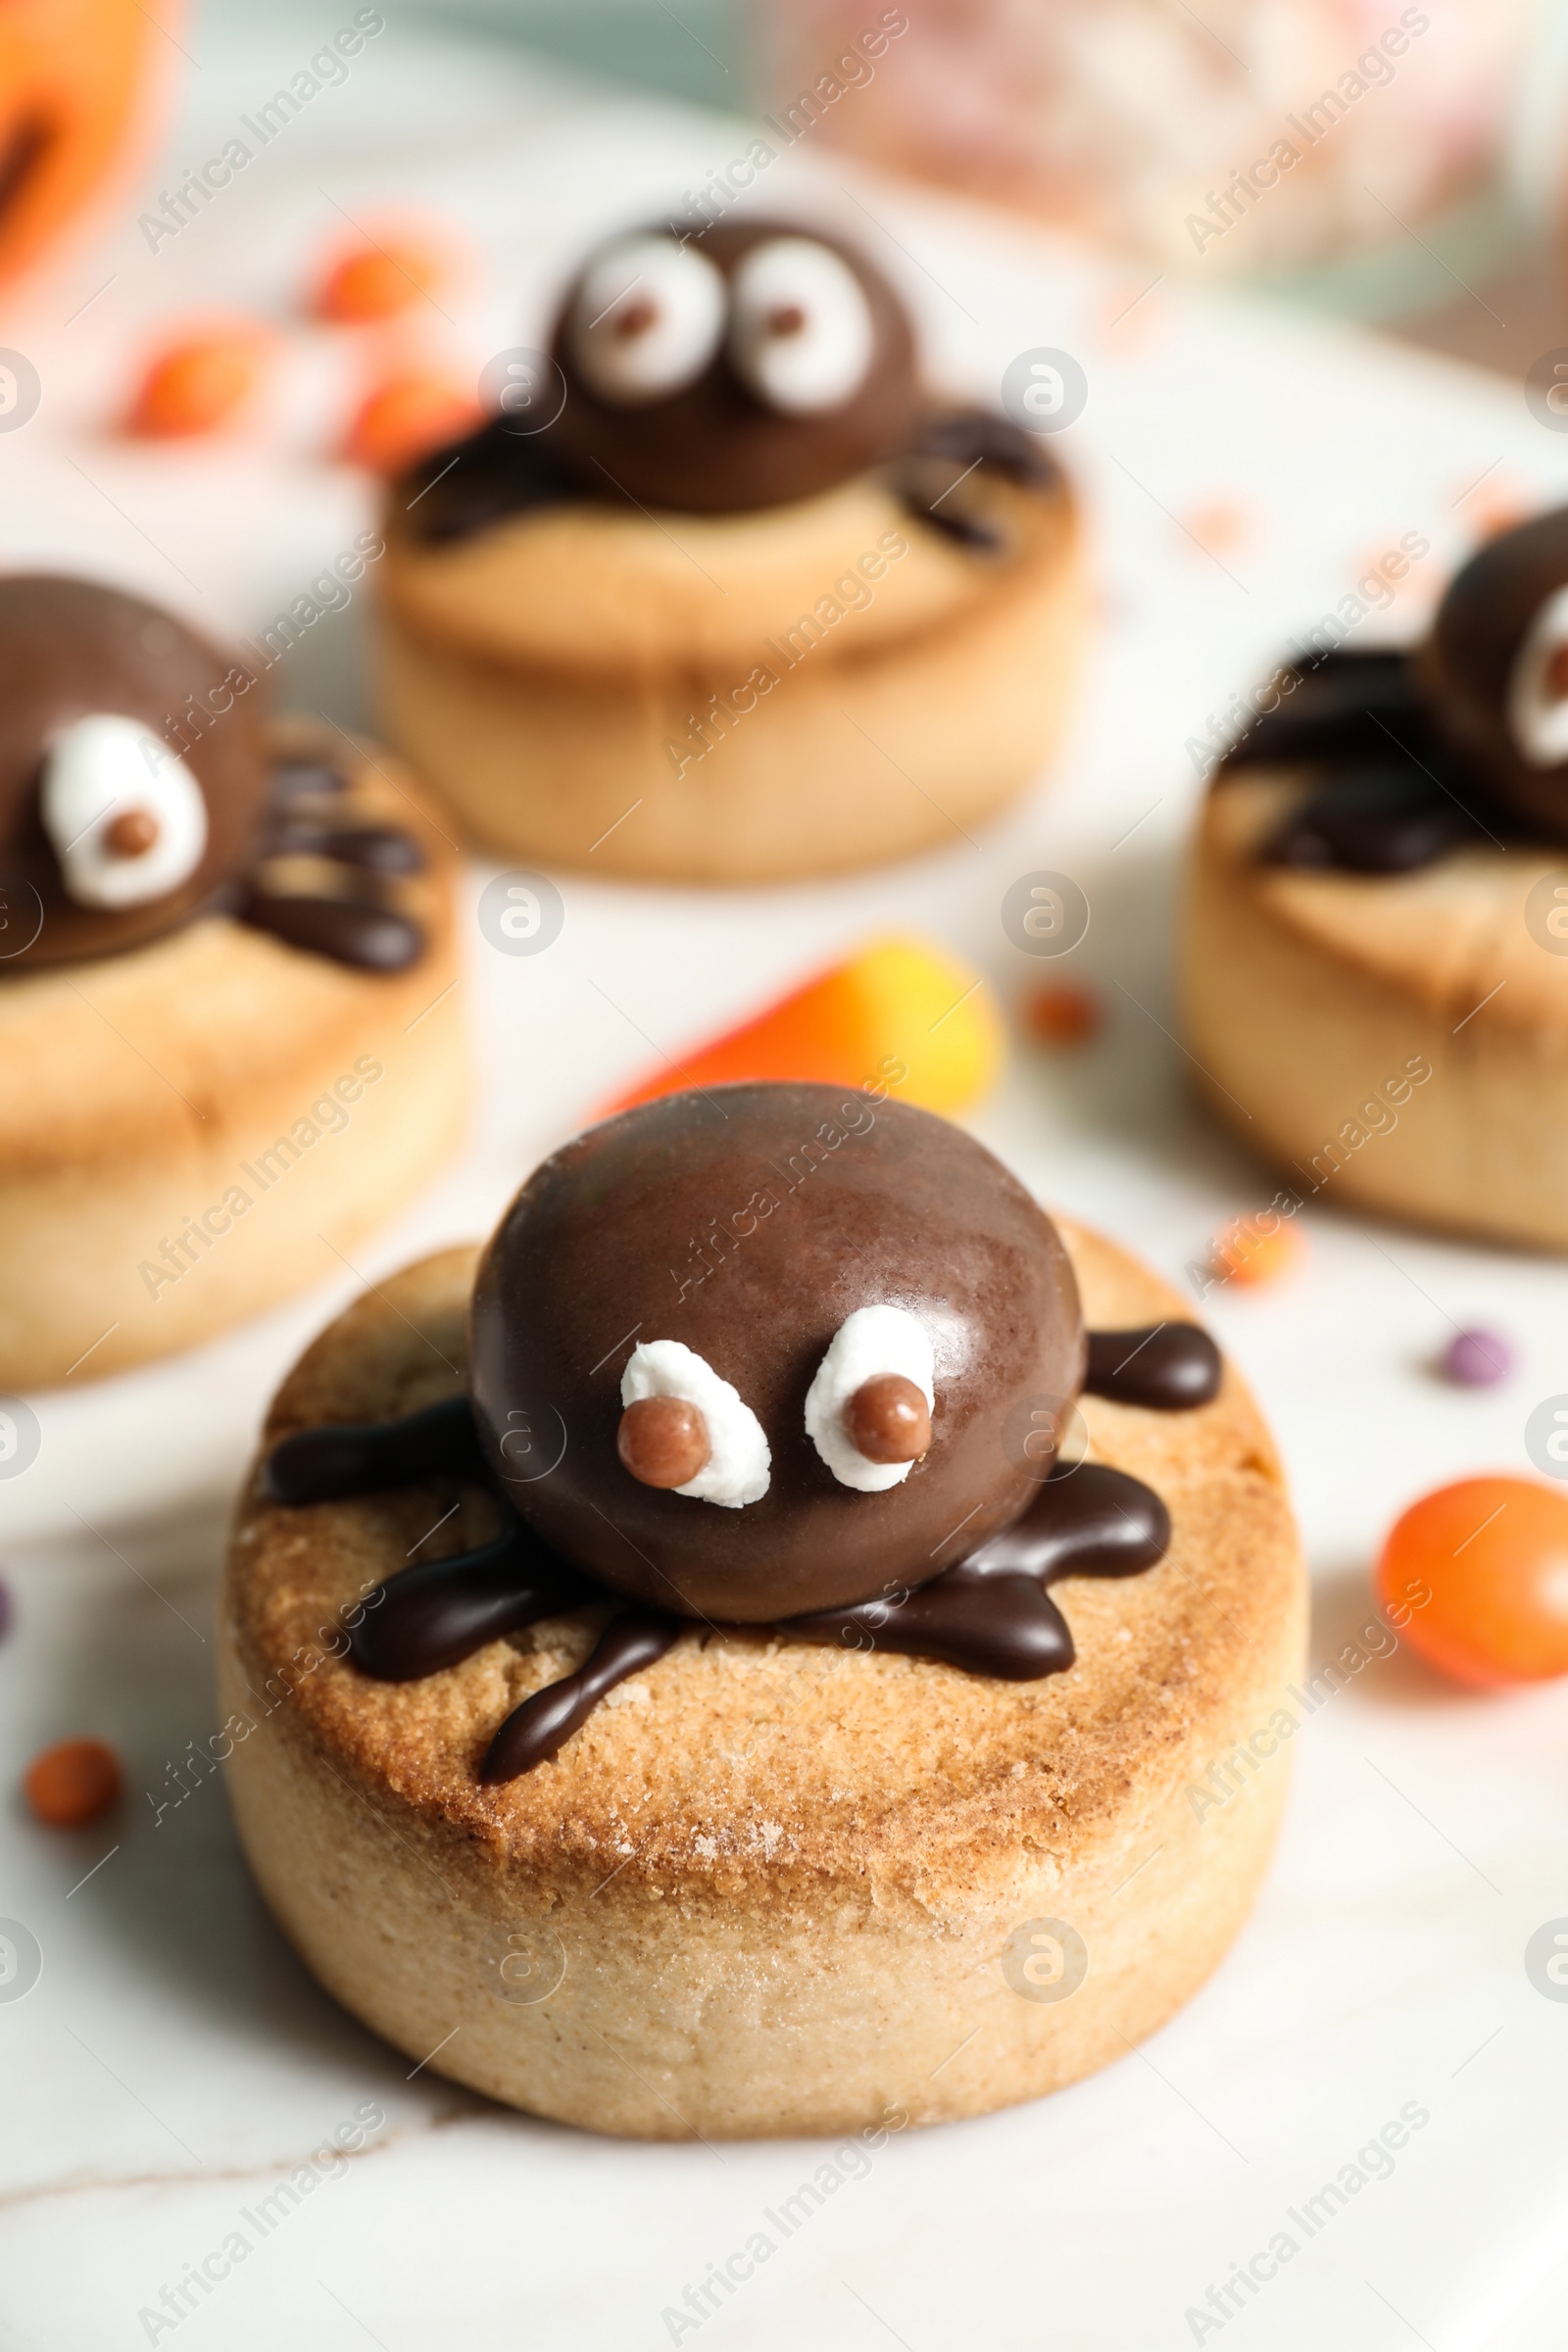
pixel 1253 1250
pixel 197 385
pixel 406 417
pixel 1059 1014
pixel 72 1785
pixel 1492 1553
pixel 378 282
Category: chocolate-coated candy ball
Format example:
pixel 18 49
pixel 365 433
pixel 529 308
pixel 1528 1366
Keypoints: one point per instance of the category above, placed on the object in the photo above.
pixel 662 1440
pixel 748 1225
pixel 888 1420
pixel 70 651
pixel 1496 665
pixel 718 443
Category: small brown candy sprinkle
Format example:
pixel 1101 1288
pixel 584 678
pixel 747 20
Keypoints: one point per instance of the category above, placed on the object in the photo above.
pixel 662 1440
pixel 72 1785
pixel 132 832
pixel 888 1420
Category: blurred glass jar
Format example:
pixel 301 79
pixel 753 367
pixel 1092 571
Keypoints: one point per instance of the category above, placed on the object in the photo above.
pixel 1263 135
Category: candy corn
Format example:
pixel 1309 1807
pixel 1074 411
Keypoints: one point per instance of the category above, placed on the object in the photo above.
pixel 901 1013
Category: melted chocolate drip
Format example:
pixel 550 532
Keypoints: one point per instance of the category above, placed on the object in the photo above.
pixel 1165 1367
pixel 968 435
pixel 341 1459
pixel 494 474
pixel 1394 798
pixel 1340 705
pixel 372 936
pixel 923 486
pixel 376 848
pixel 533 1733
pixel 427 1618
pixel 949 448
pixel 991 1614
pixel 1374 819
pixel 305 780
pixel 360 929
pixel 1008 1627
pixel 499 472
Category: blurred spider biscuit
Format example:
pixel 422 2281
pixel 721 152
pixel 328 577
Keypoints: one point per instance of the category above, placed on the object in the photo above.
pixel 213 935
pixel 728 597
pixel 1377 925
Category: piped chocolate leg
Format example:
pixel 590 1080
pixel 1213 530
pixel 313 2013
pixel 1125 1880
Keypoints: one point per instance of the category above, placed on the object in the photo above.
pixel 427 1618
pixel 1392 796
pixel 952 444
pixel 992 1614
pixel 371 849
pixel 1340 706
pixel 533 1733
pixel 1165 1367
pixel 356 931
pixel 330 1463
pixel 1088 1521
pixel 1006 1627
pixel 979 436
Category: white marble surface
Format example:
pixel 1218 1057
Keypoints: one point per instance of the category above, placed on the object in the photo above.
pixel 172 2062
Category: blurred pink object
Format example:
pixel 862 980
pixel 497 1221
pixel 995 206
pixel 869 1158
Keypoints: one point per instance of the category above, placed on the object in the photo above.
pixel 1263 135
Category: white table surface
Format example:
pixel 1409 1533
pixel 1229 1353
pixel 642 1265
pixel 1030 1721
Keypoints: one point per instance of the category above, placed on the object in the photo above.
pixel 173 2061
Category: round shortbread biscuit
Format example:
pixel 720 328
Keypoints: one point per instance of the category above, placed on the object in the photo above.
pixel 1396 1042
pixel 191 1131
pixel 579 681
pixel 771 1887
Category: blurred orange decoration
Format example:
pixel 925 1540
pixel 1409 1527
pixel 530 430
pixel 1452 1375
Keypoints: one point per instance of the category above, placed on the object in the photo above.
pixel 1059 1014
pixel 76 79
pixel 405 416
pixel 1475 1576
pixel 1238 136
pixel 200 384
pixel 378 281
pixel 72 1785
pixel 1257 1250
pixel 902 1017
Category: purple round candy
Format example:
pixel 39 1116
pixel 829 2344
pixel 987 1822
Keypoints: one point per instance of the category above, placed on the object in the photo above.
pixel 1476 1359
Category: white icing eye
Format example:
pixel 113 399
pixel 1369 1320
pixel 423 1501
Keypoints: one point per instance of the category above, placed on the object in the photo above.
pixel 859 1399
pixel 648 317
pixel 800 333
pixel 126 819
pixel 1537 688
pixel 739 1464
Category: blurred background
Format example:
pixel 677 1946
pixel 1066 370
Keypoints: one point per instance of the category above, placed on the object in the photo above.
pixel 1443 180
pixel 1424 190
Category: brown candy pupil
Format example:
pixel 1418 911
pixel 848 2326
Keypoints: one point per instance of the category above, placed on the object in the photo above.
pixel 633 318
pixel 888 1420
pixel 1557 673
pixel 132 833
pixel 662 1440
pixel 786 318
